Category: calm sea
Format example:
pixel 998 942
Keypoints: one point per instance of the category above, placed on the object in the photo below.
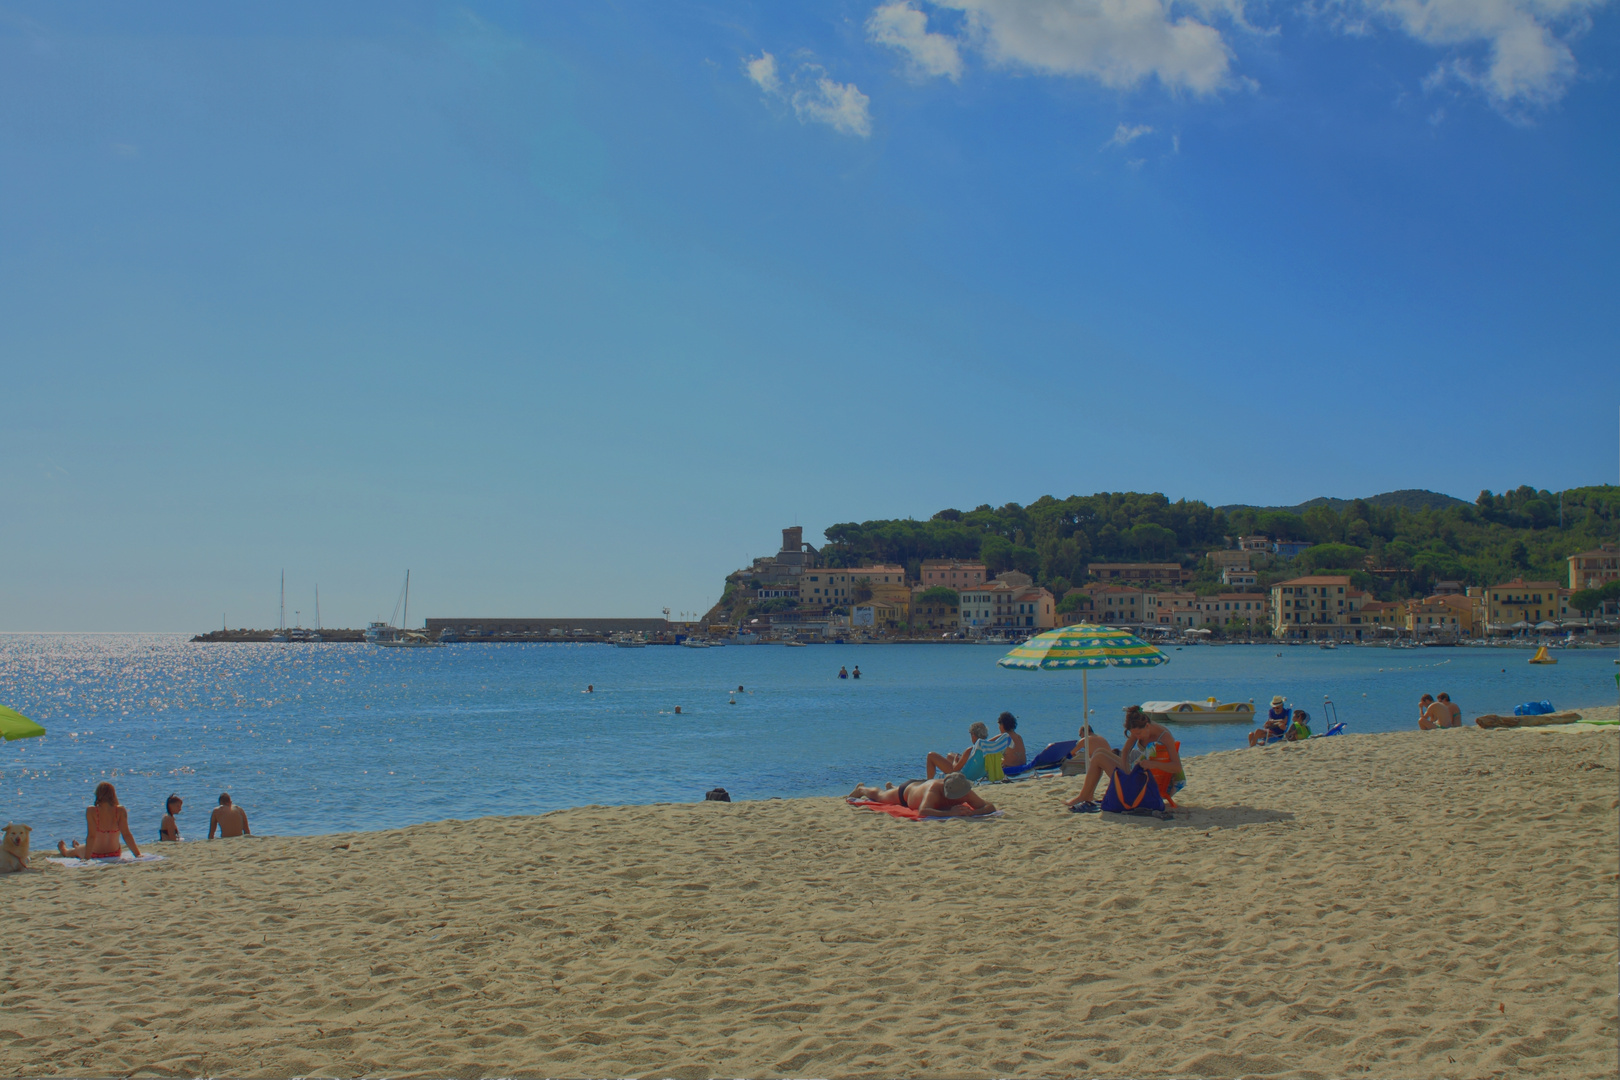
pixel 328 738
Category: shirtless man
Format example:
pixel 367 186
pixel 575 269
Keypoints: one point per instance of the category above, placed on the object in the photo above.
pixel 952 795
pixel 229 819
pixel 949 763
pixel 1431 714
pixel 1140 734
pixel 1015 754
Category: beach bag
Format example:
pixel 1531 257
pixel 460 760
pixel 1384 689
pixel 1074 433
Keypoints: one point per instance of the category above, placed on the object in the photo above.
pixel 1132 793
pixel 1534 708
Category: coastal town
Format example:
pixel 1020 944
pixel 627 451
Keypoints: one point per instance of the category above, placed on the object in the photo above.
pixel 794 595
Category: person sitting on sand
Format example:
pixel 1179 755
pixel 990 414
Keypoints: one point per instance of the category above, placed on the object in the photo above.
pixel 949 763
pixel 1141 735
pixel 230 819
pixel 1454 714
pixel 1431 713
pixel 952 795
pixel 1276 725
pixel 168 828
pixel 106 821
pixel 1015 753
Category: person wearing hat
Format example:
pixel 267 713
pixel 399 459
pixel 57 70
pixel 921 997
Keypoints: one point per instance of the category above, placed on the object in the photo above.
pixel 1276 725
pixel 952 795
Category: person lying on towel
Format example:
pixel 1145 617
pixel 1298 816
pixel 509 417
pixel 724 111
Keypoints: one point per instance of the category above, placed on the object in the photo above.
pixel 1141 737
pixel 950 796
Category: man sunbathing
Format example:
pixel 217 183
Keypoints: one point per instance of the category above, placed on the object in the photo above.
pixel 949 763
pixel 950 796
pixel 1141 735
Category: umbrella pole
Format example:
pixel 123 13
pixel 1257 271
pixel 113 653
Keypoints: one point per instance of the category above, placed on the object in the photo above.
pixel 1085 722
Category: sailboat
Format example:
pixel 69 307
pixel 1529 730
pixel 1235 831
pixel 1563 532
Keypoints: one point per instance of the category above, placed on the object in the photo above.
pixel 391 637
pixel 281 621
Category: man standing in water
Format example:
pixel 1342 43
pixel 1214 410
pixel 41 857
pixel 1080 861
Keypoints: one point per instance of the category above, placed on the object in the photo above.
pixel 229 819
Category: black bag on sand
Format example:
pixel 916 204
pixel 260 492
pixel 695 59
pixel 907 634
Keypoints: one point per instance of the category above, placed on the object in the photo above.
pixel 719 794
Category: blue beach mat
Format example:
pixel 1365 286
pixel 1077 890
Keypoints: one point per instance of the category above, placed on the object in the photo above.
pixel 1050 758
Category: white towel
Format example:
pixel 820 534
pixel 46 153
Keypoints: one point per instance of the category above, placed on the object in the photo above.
pixel 101 864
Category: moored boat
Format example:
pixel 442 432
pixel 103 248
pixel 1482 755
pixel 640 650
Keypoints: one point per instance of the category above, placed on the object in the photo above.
pixel 1208 711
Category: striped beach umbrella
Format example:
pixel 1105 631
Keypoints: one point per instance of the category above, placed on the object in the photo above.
pixel 1083 646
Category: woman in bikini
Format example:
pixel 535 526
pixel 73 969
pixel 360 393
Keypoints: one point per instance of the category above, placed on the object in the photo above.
pixel 106 822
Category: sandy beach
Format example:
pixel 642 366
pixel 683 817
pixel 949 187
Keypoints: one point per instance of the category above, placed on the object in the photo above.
pixel 1408 905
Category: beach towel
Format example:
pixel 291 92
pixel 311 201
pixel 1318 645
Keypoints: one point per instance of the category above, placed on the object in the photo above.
pixel 1533 708
pixel 984 763
pixel 1050 758
pixel 906 813
pixel 1132 793
pixel 126 859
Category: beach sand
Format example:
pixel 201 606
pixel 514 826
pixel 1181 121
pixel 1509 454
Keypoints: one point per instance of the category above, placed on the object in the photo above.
pixel 1411 905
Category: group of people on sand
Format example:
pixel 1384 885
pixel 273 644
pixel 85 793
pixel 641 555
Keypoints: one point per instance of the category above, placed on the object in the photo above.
pixel 1281 723
pixel 951 793
pixel 107 822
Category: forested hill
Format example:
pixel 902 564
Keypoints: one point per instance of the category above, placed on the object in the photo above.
pixel 1492 539
pixel 1410 498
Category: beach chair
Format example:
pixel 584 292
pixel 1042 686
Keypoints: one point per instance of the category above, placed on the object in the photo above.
pixel 1050 758
pixel 984 763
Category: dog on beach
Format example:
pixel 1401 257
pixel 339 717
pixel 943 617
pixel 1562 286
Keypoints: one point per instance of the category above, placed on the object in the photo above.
pixel 14 852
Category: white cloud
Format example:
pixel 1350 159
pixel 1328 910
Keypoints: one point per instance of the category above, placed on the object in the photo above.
pixel 842 105
pixel 901 26
pixel 1119 43
pixel 762 71
pixel 815 96
pixel 1126 134
pixel 1528 61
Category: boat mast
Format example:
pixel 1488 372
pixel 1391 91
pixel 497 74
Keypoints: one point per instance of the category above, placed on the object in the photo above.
pixel 281 620
pixel 407 619
pixel 317 609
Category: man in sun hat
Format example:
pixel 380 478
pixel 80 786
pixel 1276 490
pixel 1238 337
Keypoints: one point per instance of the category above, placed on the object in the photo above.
pixel 952 795
pixel 1276 725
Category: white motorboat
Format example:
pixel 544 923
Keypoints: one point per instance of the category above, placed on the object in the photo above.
pixel 1208 711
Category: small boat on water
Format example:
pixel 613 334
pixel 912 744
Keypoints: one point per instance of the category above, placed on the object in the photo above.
pixel 1208 711
pixel 1541 657
pixel 387 636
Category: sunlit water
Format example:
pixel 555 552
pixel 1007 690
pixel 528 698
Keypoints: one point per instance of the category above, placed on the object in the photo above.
pixel 329 738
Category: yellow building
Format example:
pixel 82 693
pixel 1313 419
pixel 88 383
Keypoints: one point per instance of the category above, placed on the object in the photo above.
pixel 933 614
pixel 836 588
pixel 1529 602
pixel 1594 569
pixel 1319 607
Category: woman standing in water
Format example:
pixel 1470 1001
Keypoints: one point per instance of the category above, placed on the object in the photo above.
pixel 105 822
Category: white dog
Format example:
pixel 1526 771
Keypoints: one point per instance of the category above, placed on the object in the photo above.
pixel 14 852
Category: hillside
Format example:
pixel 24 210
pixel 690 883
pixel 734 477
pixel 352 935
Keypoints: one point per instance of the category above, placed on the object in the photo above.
pixel 1414 538
pixel 1407 498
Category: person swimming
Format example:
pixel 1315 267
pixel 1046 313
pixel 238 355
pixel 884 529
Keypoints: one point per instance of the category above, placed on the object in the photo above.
pixel 106 821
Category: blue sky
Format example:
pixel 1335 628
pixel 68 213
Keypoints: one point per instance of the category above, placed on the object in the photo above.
pixel 569 308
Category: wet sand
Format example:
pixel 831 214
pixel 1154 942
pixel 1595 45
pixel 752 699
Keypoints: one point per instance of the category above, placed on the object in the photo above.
pixel 1417 905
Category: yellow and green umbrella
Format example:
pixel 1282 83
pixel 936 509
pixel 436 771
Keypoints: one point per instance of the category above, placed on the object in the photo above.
pixel 14 725
pixel 1083 646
